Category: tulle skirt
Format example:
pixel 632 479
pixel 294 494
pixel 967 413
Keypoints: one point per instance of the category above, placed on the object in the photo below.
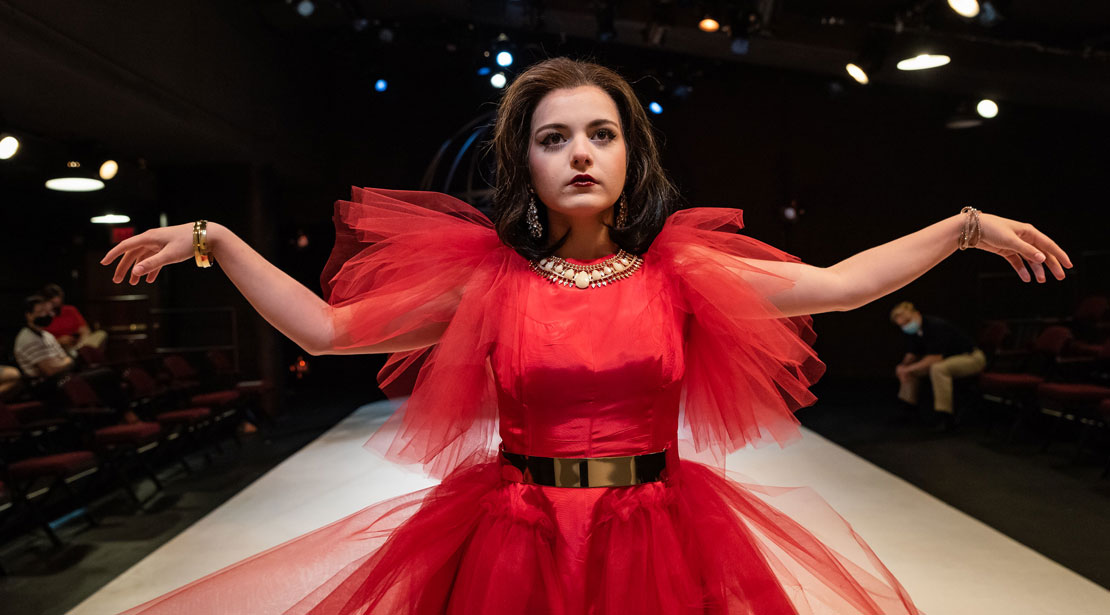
pixel 698 543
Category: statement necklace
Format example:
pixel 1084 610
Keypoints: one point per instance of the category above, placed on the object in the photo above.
pixel 560 271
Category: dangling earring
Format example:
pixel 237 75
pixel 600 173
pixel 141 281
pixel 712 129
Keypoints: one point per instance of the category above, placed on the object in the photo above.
pixel 532 216
pixel 622 212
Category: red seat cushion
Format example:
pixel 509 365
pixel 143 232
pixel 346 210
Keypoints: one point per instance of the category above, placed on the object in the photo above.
pixel 1073 392
pixel 992 382
pixel 216 398
pixel 61 464
pixel 188 415
pixel 134 433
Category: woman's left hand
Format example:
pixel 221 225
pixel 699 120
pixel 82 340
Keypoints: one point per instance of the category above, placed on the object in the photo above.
pixel 1015 241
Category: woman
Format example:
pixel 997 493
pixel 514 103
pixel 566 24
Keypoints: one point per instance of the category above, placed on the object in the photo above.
pixel 576 327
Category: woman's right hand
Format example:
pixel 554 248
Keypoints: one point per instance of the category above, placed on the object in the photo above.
pixel 149 251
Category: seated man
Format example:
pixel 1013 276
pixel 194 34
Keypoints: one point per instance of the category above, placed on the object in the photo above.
pixel 937 349
pixel 69 326
pixel 40 356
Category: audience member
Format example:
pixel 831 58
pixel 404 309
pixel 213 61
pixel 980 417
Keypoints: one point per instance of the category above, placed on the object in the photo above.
pixel 937 349
pixel 40 356
pixel 69 326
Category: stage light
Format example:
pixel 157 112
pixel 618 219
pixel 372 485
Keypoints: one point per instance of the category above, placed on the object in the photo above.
pixel 870 59
pixel 75 178
pixel 923 61
pixel 305 8
pixel 965 8
pixel 504 58
pixel 9 145
pixel 987 108
pixel 380 85
pixel 110 219
pixel 483 71
pixel 988 14
pixel 858 73
pixel 740 45
pixel 108 169
pixel 655 107
pixel 74 184
pixel 498 80
pixel 708 24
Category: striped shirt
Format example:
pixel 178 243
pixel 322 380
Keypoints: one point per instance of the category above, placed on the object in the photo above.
pixel 32 348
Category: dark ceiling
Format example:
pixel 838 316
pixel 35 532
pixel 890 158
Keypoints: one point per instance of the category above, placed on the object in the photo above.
pixel 198 81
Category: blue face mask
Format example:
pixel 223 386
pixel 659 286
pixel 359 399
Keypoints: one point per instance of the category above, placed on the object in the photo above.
pixel 911 327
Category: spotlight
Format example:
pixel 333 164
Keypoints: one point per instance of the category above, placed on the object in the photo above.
pixel 708 24
pixel 305 8
pixel 655 107
pixel 380 85
pixel 923 61
pixel 9 145
pixel 483 71
pixel 504 58
pixel 75 179
pixel 987 108
pixel 965 8
pixel 988 13
pixel 108 169
pixel 867 64
pixel 110 219
pixel 498 80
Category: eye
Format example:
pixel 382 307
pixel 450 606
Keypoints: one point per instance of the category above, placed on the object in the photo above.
pixel 605 131
pixel 547 139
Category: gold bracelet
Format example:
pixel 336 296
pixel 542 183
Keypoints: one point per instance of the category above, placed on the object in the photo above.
pixel 972 232
pixel 200 244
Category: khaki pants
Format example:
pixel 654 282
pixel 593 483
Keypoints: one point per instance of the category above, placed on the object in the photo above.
pixel 941 374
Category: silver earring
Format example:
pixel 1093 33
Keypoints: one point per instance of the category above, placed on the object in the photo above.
pixel 532 216
pixel 622 212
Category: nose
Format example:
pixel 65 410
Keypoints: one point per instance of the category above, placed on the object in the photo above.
pixel 580 156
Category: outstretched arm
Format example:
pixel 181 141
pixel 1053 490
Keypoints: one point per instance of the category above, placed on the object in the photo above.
pixel 285 303
pixel 879 271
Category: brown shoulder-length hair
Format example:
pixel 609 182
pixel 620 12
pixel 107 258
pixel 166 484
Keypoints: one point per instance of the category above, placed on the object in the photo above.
pixel 649 193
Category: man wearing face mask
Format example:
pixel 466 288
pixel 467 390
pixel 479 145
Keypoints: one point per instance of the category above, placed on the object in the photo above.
pixel 937 349
pixel 39 354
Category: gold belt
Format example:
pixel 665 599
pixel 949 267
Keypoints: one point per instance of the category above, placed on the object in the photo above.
pixel 584 471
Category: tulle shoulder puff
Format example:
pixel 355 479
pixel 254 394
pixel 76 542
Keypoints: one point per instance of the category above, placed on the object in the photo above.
pixel 411 261
pixel 748 366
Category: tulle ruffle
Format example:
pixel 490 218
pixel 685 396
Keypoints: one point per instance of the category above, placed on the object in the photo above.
pixel 748 367
pixel 700 544
pixel 407 259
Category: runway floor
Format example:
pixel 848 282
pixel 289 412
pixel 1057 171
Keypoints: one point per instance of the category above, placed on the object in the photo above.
pixel 949 562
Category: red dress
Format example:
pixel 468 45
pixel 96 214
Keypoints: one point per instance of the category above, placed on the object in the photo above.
pixel 684 345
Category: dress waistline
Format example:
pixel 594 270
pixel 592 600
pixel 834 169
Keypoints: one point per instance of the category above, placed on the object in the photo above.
pixel 584 471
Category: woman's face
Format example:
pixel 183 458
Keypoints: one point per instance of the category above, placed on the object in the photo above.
pixel 577 132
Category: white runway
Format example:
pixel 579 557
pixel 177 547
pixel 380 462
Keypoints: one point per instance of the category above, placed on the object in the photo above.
pixel 950 563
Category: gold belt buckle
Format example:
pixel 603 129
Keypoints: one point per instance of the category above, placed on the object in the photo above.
pixel 584 472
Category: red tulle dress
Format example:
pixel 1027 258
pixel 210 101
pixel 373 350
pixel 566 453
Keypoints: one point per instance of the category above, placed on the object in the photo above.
pixel 687 344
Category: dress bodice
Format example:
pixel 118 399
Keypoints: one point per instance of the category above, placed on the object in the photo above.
pixel 597 371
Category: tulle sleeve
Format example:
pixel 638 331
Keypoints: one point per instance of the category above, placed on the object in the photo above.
pixel 406 261
pixel 748 367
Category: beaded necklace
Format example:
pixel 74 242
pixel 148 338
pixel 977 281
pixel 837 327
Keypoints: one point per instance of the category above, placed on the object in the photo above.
pixel 560 271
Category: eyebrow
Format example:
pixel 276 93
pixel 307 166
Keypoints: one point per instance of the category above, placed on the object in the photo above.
pixel 596 122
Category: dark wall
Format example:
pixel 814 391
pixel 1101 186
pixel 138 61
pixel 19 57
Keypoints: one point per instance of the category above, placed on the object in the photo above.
pixel 866 164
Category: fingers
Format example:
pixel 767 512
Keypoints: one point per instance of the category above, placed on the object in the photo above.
pixel 122 247
pixel 1054 266
pixel 1018 265
pixel 1051 249
pixel 123 265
